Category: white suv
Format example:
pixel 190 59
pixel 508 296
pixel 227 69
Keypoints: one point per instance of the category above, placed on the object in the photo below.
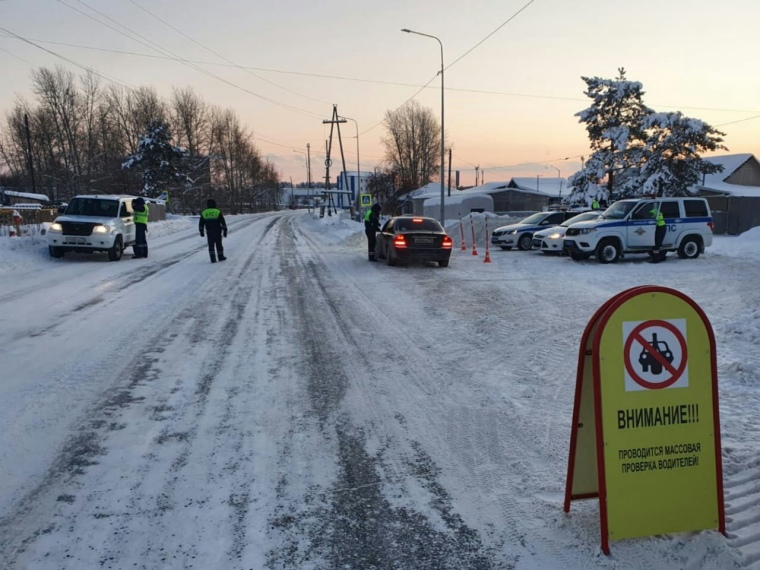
pixel 628 227
pixel 94 223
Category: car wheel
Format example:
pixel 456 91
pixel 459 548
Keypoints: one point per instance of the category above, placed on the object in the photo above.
pixel 608 251
pixel 505 247
pixel 578 256
pixel 389 257
pixel 114 254
pixel 443 263
pixel 525 242
pixel 689 248
pixel 56 252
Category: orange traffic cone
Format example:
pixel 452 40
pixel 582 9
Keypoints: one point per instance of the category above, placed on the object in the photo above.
pixel 488 253
pixel 461 227
pixel 474 241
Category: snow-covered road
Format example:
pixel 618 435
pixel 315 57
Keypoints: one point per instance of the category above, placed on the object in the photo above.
pixel 297 407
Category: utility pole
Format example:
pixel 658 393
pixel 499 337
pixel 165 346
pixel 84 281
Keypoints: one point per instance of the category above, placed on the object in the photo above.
pixel 449 173
pixel 29 152
pixel 308 172
pixel 476 175
pixel 336 120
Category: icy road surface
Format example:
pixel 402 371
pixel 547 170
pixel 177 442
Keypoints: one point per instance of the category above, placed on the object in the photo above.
pixel 296 407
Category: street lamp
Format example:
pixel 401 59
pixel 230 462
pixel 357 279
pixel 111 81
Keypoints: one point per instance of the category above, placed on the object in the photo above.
pixel 559 179
pixel 358 166
pixel 443 149
pixel 308 172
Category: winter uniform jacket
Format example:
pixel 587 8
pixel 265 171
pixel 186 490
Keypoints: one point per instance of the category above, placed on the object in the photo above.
pixel 372 220
pixel 212 221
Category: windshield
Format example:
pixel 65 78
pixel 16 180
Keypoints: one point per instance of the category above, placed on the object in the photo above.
pixel 534 219
pixel 584 217
pixel 93 207
pixel 618 210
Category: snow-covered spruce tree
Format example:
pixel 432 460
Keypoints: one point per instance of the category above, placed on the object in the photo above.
pixel 160 163
pixel 614 123
pixel 674 143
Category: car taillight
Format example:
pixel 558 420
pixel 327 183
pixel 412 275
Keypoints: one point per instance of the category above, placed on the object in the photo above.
pixel 711 226
pixel 447 243
pixel 399 241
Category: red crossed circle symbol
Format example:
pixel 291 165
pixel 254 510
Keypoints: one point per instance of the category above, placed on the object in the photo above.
pixel 636 336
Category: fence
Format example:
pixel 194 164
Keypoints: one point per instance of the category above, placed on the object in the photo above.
pixel 31 220
pixel 734 215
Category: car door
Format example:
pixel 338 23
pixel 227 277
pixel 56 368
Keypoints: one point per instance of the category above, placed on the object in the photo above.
pixel 127 222
pixel 671 211
pixel 641 224
pixel 385 235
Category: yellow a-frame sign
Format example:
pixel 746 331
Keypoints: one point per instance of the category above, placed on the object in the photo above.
pixel 645 437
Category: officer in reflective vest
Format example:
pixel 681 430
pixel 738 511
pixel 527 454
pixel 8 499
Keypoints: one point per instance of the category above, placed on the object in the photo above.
pixel 594 204
pixel 213 224
pixel 371 227
pixel 140 217
pixel 659 234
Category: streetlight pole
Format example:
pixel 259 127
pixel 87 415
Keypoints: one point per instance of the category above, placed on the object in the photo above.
pixel 308 172
pixel 358 165
pixel 443 148
pixel 559 179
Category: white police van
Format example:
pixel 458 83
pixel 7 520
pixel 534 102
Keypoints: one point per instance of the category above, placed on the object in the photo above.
pixel 628 226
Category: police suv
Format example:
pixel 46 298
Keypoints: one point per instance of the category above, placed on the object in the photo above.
pixel 93 223
pixel 628 226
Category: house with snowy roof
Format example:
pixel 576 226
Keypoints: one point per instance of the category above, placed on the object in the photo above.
pixel 10 197
pixel 734 194
pixel 523 194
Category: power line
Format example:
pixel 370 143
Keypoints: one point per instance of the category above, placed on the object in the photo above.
pixel 373 81
pixel 512 17
pixel 179 59
pixel 223 57
pixel 71 61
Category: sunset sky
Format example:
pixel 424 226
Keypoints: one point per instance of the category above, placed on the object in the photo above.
pixel 513 68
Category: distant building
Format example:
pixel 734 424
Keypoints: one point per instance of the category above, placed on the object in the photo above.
pixel 355 183
pixel 10 197
pixel 734 194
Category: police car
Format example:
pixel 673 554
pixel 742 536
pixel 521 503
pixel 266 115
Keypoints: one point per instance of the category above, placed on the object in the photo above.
pixel 521 234
pixel 629 227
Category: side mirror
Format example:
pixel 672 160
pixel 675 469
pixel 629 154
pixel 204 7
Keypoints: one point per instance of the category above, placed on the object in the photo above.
pixel 61 209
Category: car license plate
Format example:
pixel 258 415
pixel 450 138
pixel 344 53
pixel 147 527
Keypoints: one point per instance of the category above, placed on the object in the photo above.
pixel 75 240
pixel 568 243
pixel 425 240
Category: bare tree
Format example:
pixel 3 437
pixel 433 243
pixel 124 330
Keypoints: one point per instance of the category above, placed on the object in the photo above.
pixel 412 145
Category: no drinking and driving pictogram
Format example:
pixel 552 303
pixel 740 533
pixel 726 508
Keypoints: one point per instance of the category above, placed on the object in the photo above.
pixel 655 355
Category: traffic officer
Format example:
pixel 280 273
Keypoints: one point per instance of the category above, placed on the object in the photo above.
pixel 213 224
pixel 594 204
pixel 659 234
pixel 140 217
pixel 371 227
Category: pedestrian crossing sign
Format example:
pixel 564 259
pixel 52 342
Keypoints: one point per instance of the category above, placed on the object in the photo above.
pixel 365 200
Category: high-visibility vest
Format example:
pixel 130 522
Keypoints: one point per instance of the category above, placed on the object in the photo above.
pixel 141 217
pixel 660 219
pixel 210 214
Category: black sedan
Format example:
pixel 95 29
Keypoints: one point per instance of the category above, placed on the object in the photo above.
pixel 413 238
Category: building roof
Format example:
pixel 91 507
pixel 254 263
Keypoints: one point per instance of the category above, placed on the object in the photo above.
pixel 27 195
pixel 731 163
pixel 430 190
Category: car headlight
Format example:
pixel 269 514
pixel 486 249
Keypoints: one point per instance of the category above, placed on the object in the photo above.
pixel 511 232
pixel 101 230
pixel 55 227
pixel 585 231
pixel 555 235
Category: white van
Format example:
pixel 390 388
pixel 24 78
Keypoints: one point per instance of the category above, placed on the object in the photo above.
pixel 628 227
